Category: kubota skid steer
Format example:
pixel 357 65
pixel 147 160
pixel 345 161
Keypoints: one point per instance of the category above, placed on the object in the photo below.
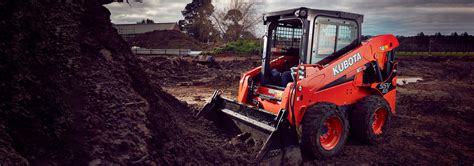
pixel 317 78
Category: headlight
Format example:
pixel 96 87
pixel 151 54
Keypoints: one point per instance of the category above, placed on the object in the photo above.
pixel 301 73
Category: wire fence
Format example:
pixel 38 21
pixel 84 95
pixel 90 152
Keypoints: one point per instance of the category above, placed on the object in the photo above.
pixel 145 51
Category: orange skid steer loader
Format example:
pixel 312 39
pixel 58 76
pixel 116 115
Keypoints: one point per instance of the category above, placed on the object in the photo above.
pixel 318 82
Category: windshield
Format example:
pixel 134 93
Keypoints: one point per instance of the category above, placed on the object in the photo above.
pixel 331 35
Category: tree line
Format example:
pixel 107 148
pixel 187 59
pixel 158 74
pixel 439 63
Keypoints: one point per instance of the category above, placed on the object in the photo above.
pixel 438 42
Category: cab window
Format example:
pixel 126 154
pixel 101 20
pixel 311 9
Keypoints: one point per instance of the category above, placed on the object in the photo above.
pixel 287 38
pixel 331 35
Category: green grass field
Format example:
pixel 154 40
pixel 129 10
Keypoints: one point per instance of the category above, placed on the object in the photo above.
pixel 405 53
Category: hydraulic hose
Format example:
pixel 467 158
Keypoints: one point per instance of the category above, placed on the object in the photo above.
pixel 292 102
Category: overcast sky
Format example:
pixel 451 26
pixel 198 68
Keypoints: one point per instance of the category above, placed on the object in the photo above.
pixel 399 17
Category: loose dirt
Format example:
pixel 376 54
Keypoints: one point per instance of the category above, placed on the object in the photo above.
pixel 433 124
pixel 189 79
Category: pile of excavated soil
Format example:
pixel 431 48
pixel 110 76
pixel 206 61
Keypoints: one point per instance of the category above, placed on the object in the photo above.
pixel 165 39
pixel 73 94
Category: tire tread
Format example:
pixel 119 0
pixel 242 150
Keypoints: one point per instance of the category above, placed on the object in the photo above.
pixel 310 127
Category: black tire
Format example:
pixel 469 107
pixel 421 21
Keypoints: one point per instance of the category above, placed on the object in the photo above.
pixel 311 128
pixel 362 118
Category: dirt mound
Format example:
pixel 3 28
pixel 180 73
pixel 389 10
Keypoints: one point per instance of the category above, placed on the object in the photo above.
pixel 73 94
pixel 166 39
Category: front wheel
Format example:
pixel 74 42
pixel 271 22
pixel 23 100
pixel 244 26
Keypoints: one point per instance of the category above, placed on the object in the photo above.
pixel 324 130
pixel 370 119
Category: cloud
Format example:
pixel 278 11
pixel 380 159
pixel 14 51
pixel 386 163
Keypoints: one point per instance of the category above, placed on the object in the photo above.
pixel 157 10
pixel 400 17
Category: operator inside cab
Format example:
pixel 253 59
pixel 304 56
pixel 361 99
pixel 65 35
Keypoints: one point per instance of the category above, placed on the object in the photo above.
pixel 286 41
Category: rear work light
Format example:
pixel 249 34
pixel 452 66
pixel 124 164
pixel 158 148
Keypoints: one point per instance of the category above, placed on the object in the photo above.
pixel 301 13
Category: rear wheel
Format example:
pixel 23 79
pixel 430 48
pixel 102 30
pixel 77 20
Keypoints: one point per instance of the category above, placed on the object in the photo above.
pixel 324 130
pixel 370 120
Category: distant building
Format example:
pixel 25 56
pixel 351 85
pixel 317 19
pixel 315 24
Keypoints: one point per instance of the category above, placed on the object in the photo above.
pixel 128 31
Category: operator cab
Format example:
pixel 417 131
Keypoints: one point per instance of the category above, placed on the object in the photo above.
pixel 305 36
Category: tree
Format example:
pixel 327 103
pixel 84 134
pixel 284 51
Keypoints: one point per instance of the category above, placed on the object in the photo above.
pixel 421 34
pixel 422 38
pixel 234 29
pixel 238 20
pixel 455 34
pixel 197 21
pixel 146 21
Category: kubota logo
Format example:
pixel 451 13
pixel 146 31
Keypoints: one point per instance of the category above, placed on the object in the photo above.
pixel 346 64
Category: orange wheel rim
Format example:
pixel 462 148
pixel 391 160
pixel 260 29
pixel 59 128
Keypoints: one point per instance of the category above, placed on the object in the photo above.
pixel 330 133
pixel 379 120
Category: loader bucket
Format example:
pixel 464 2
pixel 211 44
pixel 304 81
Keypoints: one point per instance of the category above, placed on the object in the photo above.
pixel 233 117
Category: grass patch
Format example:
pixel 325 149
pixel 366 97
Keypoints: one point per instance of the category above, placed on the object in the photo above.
pixel 240 47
